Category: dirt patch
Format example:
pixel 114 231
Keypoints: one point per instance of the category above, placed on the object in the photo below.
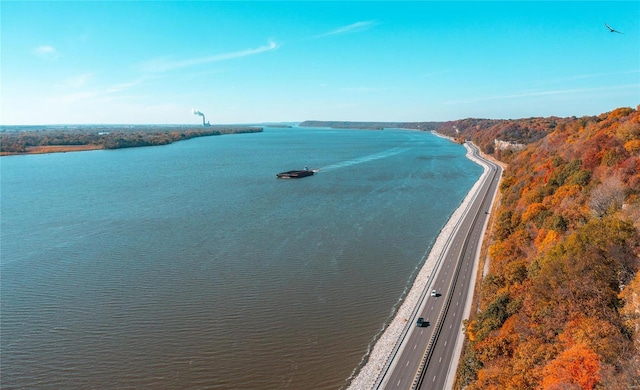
pixel 61 148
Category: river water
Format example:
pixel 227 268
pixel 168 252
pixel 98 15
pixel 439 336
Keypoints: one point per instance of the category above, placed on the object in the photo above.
pixel 191 266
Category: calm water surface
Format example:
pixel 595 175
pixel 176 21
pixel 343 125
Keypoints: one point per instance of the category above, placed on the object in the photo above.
pixel 191 266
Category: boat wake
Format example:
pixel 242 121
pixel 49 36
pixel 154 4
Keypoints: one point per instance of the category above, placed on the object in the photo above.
pixel 364 159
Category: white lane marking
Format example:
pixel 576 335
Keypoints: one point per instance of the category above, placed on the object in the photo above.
pixel 445 343
pixel 440 360
pixel 414 347
pixel 407 364
pixel 434 379
pixel 398 384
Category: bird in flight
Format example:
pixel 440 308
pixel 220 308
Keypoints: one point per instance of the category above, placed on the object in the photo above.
pixel 611 29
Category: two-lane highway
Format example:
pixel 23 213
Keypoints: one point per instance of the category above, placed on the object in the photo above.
pixel 426 357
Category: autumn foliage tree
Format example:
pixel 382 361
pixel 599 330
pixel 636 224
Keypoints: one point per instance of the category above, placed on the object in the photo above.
pixel 559 308
pixel 577 367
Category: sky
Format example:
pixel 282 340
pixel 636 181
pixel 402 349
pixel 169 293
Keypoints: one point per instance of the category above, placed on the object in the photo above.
pixel 152 62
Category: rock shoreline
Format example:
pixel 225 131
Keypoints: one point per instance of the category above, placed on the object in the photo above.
pixel 367 376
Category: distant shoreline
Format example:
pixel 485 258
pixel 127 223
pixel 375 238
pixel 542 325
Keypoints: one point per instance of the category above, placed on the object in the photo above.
pixel 86 138
pixel 54 139
pixel 422 126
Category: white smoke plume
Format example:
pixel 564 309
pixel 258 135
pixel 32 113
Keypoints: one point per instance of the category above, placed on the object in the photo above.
pixel 196 112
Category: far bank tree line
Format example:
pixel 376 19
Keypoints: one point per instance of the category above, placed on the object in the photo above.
pixel 482 131
pixel 18 142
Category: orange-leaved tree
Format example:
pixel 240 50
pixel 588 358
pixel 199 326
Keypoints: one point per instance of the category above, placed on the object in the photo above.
pixel 576 367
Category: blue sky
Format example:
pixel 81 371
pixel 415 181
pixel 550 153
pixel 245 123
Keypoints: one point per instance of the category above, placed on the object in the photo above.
pixel 151 62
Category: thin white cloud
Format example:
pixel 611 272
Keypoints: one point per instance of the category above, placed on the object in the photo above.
pixel 162 65
pixel 72 98
pixel 46 51
pixel 590 76
pixel 78 94
pixel 85 80
pixel 79 81
pixel 352 28
pixel 593 75
pixel 124 86
pixel 199 75
pixel 544 93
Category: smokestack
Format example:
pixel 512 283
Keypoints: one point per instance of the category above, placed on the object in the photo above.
pixel 196 112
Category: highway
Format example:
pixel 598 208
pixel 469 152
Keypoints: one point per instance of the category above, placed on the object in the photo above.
pixel 425 359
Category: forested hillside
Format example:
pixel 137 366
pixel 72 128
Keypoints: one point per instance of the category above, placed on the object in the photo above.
pixel 560 305
pixel 485 131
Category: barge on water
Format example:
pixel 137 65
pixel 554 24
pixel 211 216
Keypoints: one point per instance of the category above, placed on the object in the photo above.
pixel 296 174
